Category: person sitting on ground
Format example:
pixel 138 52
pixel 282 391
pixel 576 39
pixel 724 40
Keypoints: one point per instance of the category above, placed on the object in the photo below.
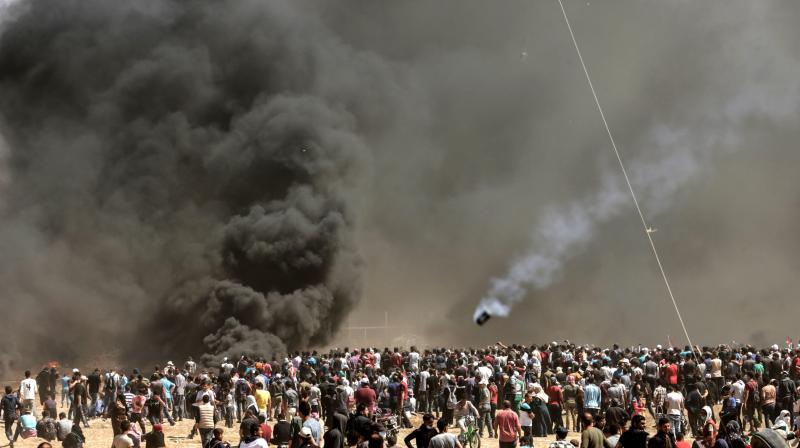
pixel 26 425
pixel 64 427
pixel 47 428
pixel 155 438
pixel 218 441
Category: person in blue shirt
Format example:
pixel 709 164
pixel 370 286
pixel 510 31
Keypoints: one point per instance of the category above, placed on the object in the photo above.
pixel 25 426
pixel 592 396
pixel 169 388
pixel 304 410
pixel 65 391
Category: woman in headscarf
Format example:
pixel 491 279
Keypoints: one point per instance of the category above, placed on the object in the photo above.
pixel 542 425
pixel 710 439
pixel 708 416
pixel 251 404
pixel 733 435
pixel 784 421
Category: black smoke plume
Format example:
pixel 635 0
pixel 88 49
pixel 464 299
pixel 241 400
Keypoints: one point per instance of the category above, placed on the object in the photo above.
pixel 181 180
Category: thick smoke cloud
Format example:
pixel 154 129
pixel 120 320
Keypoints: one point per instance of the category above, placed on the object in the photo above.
pixel 181 179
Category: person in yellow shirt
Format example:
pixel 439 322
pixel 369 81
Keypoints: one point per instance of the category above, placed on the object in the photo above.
pixel 263 399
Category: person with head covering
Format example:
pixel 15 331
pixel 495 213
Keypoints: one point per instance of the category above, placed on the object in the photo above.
pixel 542 424
pixel 155 438
pixel 733 435
pixel 710 439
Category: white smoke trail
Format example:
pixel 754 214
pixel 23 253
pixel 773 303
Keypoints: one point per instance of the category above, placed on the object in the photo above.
pixel 674 157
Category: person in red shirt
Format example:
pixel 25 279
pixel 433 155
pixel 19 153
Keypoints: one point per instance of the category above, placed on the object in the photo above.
pixel 507 426
pixel 671 372
pixel 680 442
pixel 397 359
pixel 366 395
pixel 554 404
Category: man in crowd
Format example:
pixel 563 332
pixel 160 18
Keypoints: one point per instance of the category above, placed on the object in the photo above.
pixel 507 426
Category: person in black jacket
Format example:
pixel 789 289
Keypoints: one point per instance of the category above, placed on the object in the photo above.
pixel 281 432
pixel 334 436
pixel 694 404
pixel 787 394
pixel 423 434
pixel 664 437
pixel 636 436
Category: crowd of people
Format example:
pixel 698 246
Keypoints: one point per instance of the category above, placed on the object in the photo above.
pixel 717 395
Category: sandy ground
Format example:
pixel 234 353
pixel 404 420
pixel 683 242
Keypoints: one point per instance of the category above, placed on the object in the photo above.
pixel 100 436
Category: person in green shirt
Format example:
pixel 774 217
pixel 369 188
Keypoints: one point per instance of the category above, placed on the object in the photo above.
pixel 591 437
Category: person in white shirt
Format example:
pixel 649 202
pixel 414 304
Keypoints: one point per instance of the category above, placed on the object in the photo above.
pixel 27 392
pixel 191 366
pixel 674 405
pixel 737 391
pixel 423 404
pixel 485 371
pixel 413 360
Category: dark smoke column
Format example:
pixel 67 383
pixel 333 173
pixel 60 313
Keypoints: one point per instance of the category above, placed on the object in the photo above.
pixel 182 177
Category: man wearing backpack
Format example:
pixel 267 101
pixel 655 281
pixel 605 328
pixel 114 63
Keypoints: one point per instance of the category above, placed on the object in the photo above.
pixel 751 402
pixel 241 391
pixel 450 402
pixel 276 389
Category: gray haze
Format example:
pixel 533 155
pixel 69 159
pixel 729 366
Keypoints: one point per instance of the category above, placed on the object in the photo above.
pixel 234 176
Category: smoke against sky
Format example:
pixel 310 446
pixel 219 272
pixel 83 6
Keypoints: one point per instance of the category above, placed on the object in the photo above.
pixel 702 102
pixel 178 177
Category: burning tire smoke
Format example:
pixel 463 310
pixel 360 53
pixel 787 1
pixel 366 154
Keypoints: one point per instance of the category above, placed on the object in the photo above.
pixel 180 179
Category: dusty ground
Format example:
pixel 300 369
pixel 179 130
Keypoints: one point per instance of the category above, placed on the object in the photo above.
pixel 100 435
